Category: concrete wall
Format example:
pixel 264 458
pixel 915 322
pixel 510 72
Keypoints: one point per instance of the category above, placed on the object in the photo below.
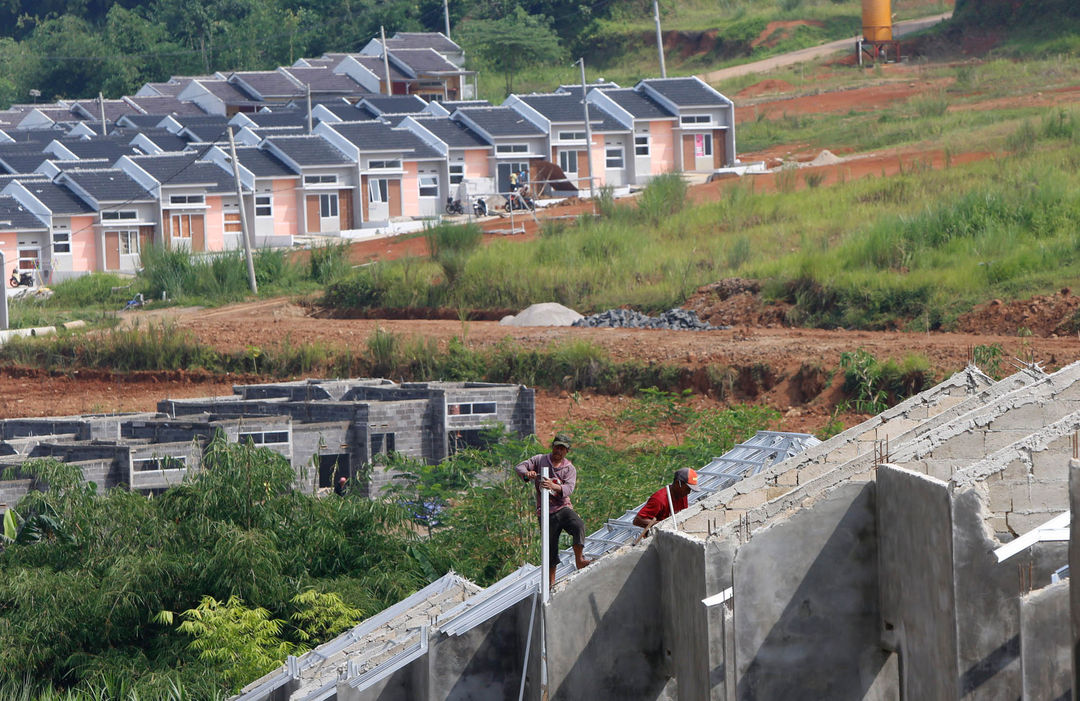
pixel 682 615
pixel 806 604
pixel 1074 565
pixel 918 609
pixel 604 634
pixel 1045 643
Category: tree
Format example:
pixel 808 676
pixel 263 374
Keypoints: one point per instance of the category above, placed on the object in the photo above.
pixel 510 44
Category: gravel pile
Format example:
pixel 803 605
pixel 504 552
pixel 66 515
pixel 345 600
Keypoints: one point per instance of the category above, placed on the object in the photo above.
pixel 671 320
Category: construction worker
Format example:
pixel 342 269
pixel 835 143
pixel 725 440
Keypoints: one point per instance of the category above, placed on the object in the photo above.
pixel 513 180
pixel 658 507
pixel 561 480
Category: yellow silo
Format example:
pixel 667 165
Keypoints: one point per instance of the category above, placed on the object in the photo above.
pixel 877 20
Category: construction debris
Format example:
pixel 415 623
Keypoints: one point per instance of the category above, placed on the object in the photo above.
pixel 671 320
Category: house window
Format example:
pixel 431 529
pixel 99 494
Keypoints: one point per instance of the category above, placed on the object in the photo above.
pixel 120 215
pixel 61 242
pixel 233 225
pixel 264 206
pixel 264 437
pixel 568 161
pixel 328 204
pixel 167 462
pixel 470 408
pixel 319 179
pixel 187 199
pixel 512 148
pixel 382 443
pixel 377 190
pixel 181 226
pixel 429 186
pixel 613 156
pixel 384 165
pixel 641 145
pixel 129 242
pixel 695 119
pixel 457 173
pixel 571 136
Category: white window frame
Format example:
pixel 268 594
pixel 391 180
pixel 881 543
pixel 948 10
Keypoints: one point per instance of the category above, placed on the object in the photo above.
pixel 473 408
pixel 512 148
pixel 641 144
pixel 695 119
pixel 264 437
pixel 61 242
pixel 428 182
pixel 385 165
pixel 128 241
pixel 265 208
pixel 457 173
pixel 328 205
pixel 320 179
pixel 564 157
pixel 572 136
pixel 187 199
pixel 378 190
pixel 159 461
pixel 613 157
pixel 119 215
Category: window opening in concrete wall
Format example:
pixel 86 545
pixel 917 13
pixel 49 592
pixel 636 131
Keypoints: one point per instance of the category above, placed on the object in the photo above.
pixel 474 408
pixel 166 462
pixel 382 443
pixel 264 437
pixel 331 467
pixel 470 438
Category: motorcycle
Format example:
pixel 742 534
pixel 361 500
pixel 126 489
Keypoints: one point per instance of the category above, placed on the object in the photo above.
pixel 520 200
pixel 21 278
pixel 479 208
pixel 454 206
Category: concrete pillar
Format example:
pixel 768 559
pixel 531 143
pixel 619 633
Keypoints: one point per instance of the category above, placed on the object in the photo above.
pixel 1074 564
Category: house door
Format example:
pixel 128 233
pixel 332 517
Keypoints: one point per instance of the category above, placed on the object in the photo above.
pixel 688 152
pixel 345 204
pixel 503 171
pixel 329 214
pixel 614 162
pixel 112 250
pixel 311 214
pixel 378 197
pixel 331 467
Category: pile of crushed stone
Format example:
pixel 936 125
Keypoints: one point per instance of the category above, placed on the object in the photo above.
pixel 542 314
pixel 671 320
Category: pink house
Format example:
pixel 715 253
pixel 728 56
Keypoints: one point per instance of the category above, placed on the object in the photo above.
pixel 70 248
pixel 272 210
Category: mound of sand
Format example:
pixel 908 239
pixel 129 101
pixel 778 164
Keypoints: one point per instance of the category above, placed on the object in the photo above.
pixel 543 314
pixel 825 158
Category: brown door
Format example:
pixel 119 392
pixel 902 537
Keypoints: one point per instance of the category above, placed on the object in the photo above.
pixel 583 164
pixel 313 225
pixel 345 209
pixel 719 155
pixel 688 160
pixel 112 250
pixel 198 234
pixel 166 225
pixel 146 237
pixel 393 193
pixel 364 197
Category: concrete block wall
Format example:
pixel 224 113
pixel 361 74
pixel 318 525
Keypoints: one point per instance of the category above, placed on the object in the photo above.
pixel 78 428
pixel 1046 643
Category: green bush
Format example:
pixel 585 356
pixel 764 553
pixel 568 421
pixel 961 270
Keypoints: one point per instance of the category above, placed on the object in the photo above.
pixel 664 196
pixel 329 262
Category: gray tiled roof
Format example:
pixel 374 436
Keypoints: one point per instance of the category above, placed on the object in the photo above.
pixel 278 119
pixel 453 134
pixel 266 84
pixel 262 164
pixel 323 80
pixel 165 139
pixel 59 114
pixel 98 148
pixel 394 104
pixel 377 136
pixel 82 163
pixel 309 150
pixel 32 138
pixel 208 133
pixel 375 65
pixel 575 88
pixel 166 105
pixel 452 105
pixel 21 160
pixel 684 92
pixel 639 106
pixel 169 88
pixel 423 60
pixel 501 121
pixel 6 178
pixel 321 62
pixel 566 108
pixel 15 217
pixel 144 121
pixel 114 109
pixel 184 169
pixel 57 198
pixel 227 93
pixel 347 112
pixel 109 185
pixel 264 132
pixel 422 40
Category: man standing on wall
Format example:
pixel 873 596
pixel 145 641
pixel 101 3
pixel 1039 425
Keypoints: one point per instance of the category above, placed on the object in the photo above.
pixel 658 507
pixel 561 480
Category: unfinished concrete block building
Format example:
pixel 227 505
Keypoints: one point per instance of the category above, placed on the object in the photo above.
pixel 326 428
pixel 922 554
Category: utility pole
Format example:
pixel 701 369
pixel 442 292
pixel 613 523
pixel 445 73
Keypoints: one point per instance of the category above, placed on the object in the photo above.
pixel 101 106
pixel 545 559
pixel 309 108
pixel 446 16
pixel 659 37
pixel 245 232
pixel 588 128
pixel 385 61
